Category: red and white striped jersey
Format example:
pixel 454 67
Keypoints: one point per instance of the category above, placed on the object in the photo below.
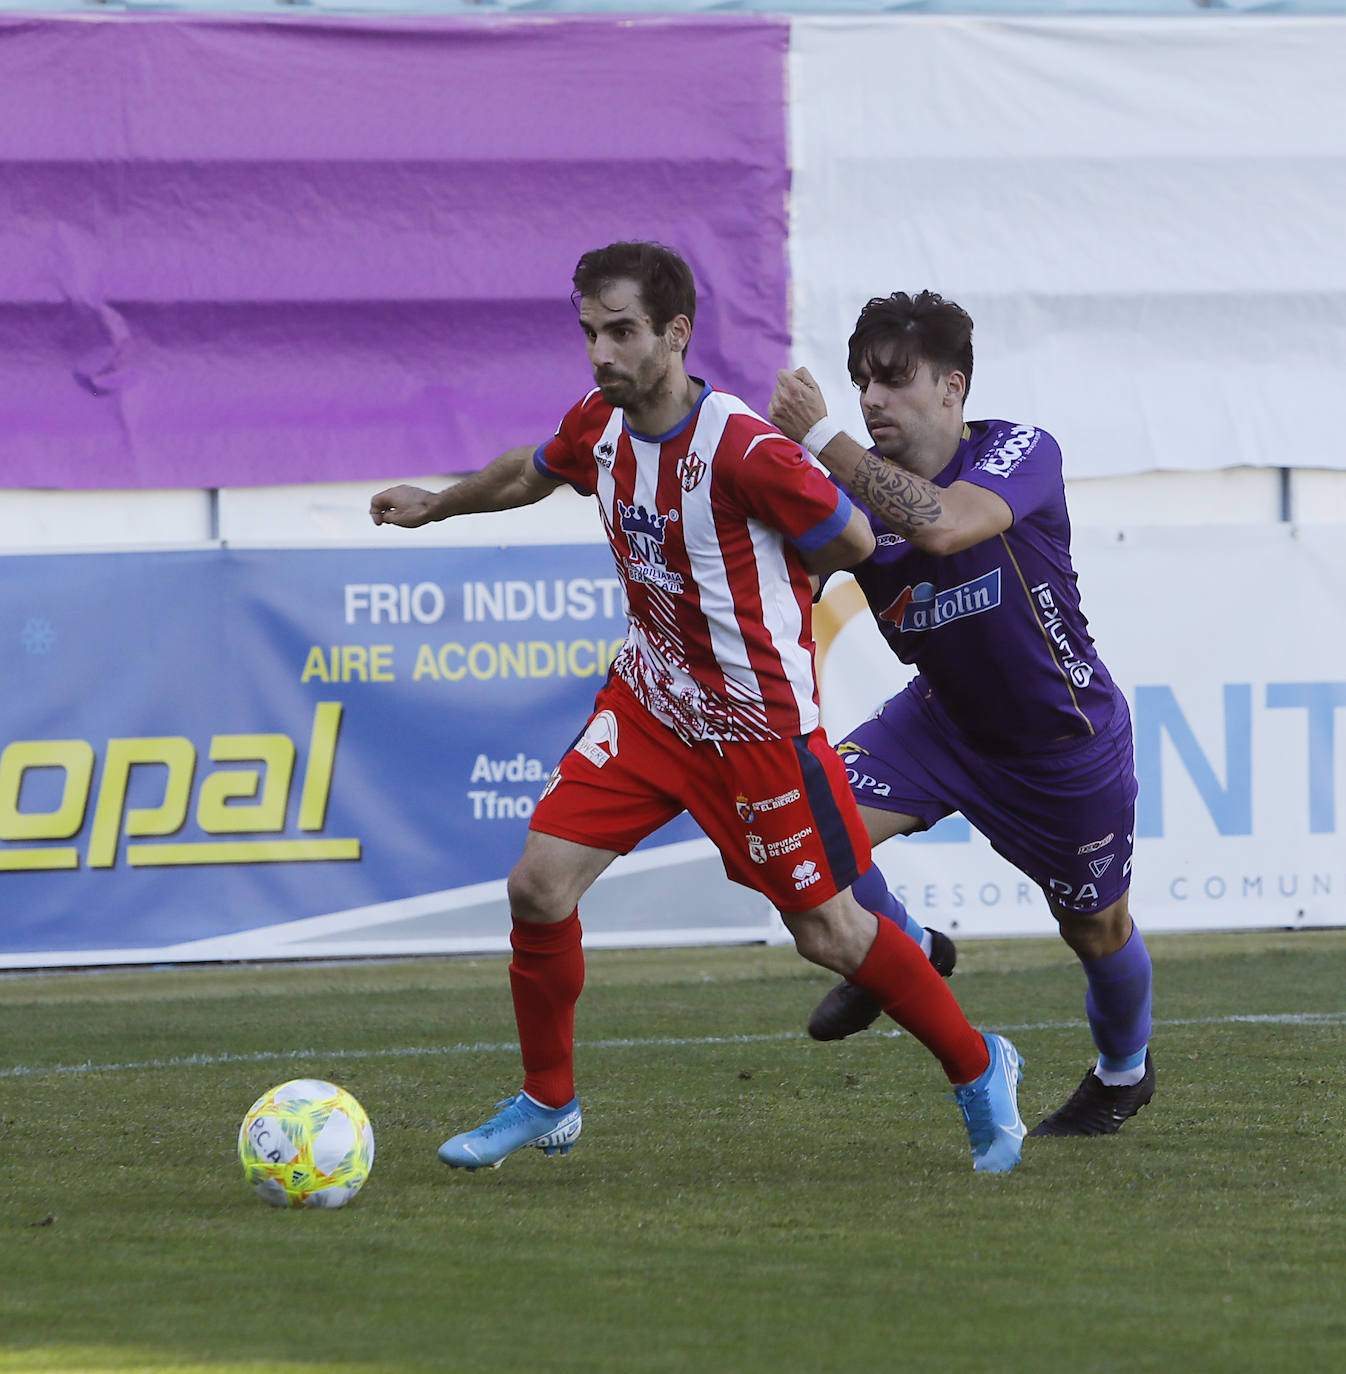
pixel 706 523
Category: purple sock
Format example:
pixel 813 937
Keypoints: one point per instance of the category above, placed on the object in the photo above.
pixel 1118 1003
pixel 871 891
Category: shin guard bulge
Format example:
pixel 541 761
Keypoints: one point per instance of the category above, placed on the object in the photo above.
pixel 546 977
pixel 918 999
pixel 1117 1001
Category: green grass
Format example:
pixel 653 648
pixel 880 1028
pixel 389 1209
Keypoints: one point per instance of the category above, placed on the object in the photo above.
pixel 759 1204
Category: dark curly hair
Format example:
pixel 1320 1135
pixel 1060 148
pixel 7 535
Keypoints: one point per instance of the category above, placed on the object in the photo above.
pixel 895 334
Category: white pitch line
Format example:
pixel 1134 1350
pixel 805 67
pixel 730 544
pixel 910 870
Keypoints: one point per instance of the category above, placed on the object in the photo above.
pixel 1298 1018
pixel 408 1052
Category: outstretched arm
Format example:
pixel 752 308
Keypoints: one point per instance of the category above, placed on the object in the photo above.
pixel 938 520
pixel 510 481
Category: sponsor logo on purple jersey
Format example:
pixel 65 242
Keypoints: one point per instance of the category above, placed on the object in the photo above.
pixel 1006 455
pixel 923 608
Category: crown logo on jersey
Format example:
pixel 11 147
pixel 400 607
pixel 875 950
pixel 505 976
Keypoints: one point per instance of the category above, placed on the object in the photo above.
pixel 691 470
pixel 638 520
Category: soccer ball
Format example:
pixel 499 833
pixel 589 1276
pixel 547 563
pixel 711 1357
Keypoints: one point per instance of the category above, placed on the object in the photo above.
pixel 306 1143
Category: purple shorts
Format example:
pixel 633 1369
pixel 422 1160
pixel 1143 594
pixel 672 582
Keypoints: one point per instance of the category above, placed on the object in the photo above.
pixel 1064 817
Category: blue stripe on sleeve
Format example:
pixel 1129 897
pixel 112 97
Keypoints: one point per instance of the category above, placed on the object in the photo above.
pixel 540 463
pixel 828 530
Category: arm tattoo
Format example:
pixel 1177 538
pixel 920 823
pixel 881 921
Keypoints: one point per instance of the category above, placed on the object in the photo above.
pixel 903 501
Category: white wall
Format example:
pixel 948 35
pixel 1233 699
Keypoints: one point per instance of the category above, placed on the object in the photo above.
pixel 337 512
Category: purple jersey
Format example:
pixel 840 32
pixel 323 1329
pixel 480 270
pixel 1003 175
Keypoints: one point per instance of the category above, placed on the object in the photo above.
pixel 996 631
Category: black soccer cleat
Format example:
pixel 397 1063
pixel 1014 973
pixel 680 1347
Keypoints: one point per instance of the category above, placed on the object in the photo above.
pixel 943 953
pixel 1096 1109
pixel 844 1011
pixel 848 1009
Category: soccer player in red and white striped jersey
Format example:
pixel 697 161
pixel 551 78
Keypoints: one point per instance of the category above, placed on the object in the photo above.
pixel 716 522
pixel 701 520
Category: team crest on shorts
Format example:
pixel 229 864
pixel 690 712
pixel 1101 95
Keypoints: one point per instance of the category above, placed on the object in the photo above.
pixel 691 470
pixel 744 808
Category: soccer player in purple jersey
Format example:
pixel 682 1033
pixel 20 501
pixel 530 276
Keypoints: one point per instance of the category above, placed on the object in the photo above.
pixel 1012 718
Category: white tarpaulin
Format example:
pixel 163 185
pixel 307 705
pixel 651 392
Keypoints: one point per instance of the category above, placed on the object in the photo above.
pixel 1230 645
pixel 1146 218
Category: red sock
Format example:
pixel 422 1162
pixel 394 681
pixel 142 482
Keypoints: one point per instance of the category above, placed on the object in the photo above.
pixel 898 973
pixel 546 977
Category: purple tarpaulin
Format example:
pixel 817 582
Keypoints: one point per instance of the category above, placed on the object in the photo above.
pixel 246 251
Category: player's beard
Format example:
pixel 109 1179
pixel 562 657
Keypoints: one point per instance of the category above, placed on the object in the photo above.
pixel 634 390
pixel 616 389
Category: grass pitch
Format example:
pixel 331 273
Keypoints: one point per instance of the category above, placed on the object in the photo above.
pixel 742 1199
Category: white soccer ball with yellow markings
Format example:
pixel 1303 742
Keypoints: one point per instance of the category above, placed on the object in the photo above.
pixel 306 1143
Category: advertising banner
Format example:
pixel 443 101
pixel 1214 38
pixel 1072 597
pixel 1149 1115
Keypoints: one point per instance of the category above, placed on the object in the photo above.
pixel 237 754
pixel 224 754
pixel 1230 645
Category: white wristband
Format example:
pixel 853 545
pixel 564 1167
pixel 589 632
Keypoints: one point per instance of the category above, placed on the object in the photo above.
pixel 822 434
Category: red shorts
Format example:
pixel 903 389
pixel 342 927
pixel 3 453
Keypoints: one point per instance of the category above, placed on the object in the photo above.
pixel 779 811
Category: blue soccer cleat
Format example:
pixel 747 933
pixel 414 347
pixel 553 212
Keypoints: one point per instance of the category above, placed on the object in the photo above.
pixel 990 1107
pixel 522 1122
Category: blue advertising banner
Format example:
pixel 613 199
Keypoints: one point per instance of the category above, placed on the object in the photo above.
pixel 249 754
pixel 203 743
pixel 1230 645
